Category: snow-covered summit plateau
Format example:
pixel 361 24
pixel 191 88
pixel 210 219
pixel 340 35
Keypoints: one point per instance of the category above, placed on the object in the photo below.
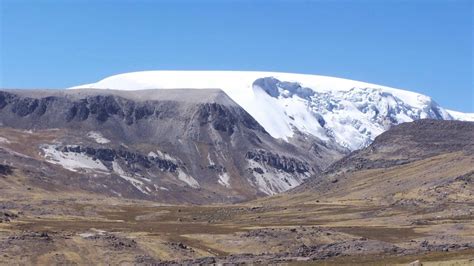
pixel 351 113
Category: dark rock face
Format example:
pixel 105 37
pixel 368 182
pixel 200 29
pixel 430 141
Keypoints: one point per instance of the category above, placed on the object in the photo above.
pixel 258 170
pixel 100 107
pixel 220 118
pixel 223 119
pixel 6 169
pixel 25 106
pixel 108 155
pixel 286 164
pixel 78 111
pixel 217 168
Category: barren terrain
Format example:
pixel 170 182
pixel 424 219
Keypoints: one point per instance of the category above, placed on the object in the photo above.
pixel 408 196
pixel 44 227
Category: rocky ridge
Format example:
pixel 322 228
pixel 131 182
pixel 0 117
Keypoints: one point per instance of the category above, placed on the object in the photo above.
pixel 159 145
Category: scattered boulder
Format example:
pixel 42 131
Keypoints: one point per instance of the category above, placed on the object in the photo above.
pixel 7 216
pixel 115 242
pixel 5 170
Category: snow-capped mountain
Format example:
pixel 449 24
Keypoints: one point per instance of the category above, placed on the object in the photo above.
pixel 200 137
pixel 350 113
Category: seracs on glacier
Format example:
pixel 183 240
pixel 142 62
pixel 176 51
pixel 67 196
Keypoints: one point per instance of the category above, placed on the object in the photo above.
pixel 351 113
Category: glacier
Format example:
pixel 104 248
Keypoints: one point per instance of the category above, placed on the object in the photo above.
pixel 350 113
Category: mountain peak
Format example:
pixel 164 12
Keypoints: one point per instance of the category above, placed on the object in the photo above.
pixel 350 113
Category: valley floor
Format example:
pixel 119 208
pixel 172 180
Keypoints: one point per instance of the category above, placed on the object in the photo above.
pixel 40 227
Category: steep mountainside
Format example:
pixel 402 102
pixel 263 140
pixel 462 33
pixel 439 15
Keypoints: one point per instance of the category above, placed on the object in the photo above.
pixel 169 145
pixel 425 162
pixel 410 142
pixel 349 113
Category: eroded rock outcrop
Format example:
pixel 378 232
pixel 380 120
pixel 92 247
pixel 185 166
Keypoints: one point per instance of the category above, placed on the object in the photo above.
pixel 280 162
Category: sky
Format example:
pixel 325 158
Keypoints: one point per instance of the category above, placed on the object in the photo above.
pixel 419 45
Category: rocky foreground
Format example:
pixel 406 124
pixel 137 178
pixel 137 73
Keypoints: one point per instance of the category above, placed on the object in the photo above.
pixel 89 230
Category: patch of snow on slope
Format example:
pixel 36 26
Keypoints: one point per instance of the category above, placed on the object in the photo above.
pixel 70 160
pixel 224 180
pixel 86 235
pixel 135 182
pixel 97 136
pixel 164 155
pixel 152 154
pixel 160 188
pixel 211 162
pixel 4 140
pixel 299 116
pixel 187 179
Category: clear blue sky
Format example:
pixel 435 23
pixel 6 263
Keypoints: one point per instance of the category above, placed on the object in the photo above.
pixel 420 45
